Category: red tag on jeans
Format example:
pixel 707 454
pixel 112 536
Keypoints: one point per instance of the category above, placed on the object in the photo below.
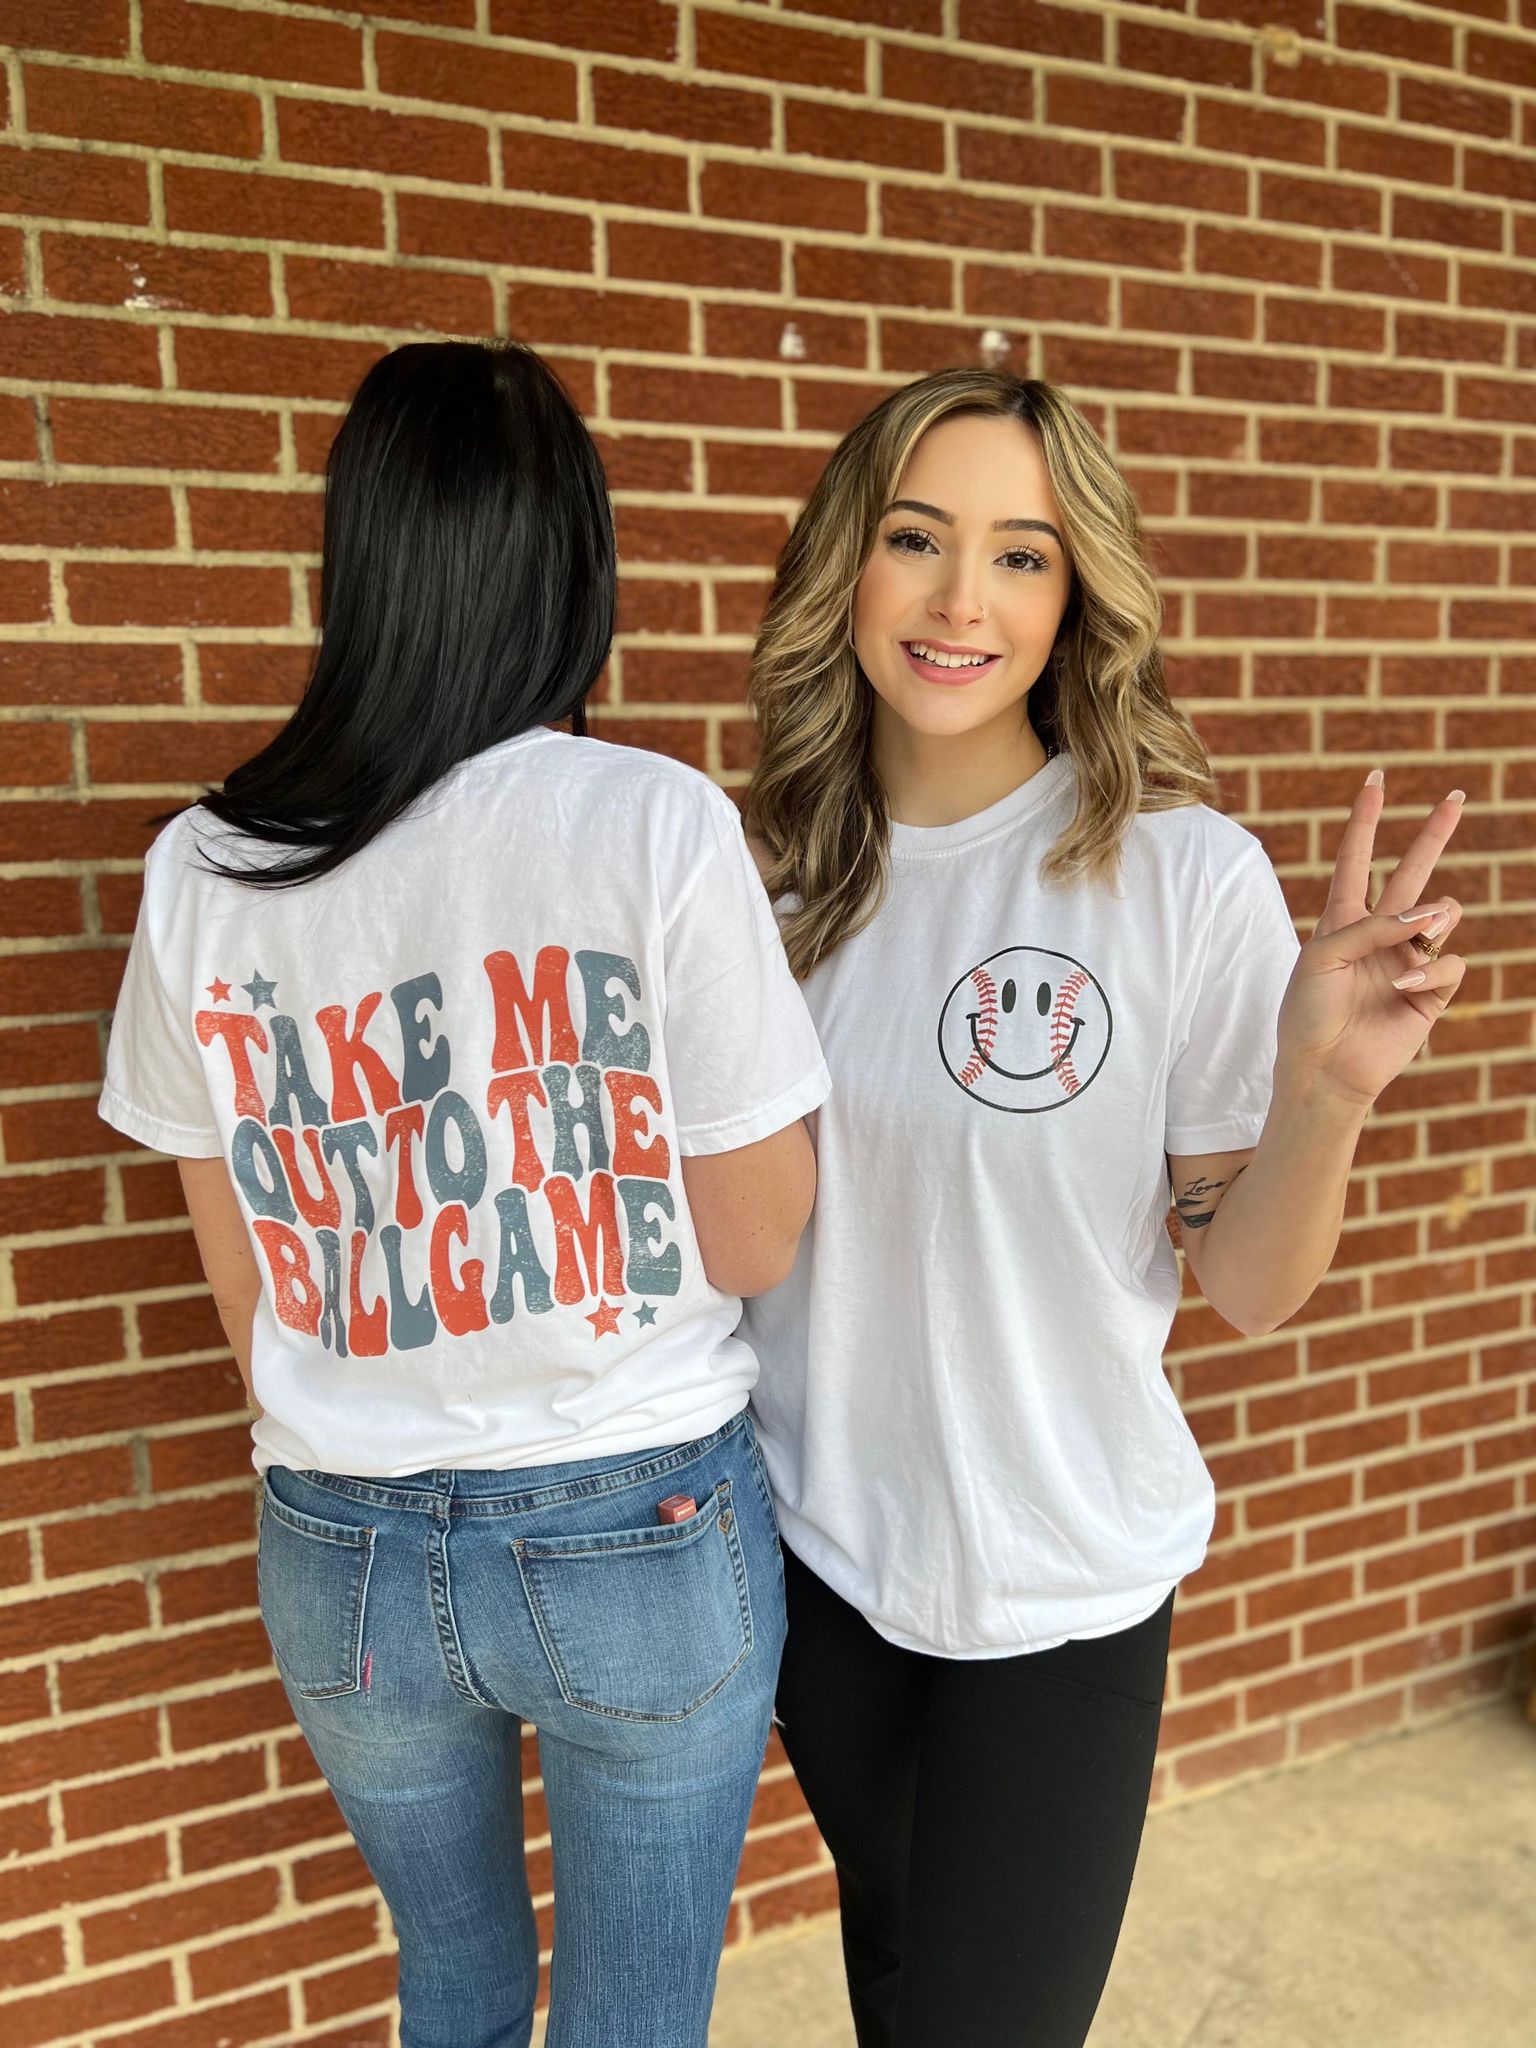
pixel 677 1507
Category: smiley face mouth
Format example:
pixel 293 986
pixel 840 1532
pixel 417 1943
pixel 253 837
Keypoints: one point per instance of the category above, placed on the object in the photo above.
pixel 1040 1072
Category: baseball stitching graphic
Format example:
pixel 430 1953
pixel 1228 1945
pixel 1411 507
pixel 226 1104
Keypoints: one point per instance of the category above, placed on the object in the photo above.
pixel 986 1028
pixel 1061 1029
pixel 1025 1030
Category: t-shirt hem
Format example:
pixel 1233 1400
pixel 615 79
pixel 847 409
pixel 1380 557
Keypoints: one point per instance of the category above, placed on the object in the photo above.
pixel 1227 1137
pixel 731 1133
pixel 180 1141
pixel 992 1653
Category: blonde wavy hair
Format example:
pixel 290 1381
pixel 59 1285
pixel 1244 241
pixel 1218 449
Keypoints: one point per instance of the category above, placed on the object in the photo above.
pixel 815 799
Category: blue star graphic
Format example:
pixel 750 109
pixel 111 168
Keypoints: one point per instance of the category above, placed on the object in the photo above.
pixel 260 991
pixel 645 1315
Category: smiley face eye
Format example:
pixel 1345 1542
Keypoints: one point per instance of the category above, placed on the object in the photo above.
pixel 1010 996
pixel 1043 998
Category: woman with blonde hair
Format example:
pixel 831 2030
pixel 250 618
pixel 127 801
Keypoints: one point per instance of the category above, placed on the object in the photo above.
pixel 1051 982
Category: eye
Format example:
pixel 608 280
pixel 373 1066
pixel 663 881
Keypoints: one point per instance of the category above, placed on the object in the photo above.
pixel 909 533
pixel 1025 561
pixel 1043 998
pixel 1010 996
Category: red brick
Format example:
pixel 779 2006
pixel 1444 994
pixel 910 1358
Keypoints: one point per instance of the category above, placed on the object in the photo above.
pixel 58 2015
pixel 38 754
pixel 1297 1689
pixel 31 1627
pixel 37 1486
pixel 39 907
pixel 82 1751
pixel 58 515
pixel 262 2017
pixel 802 1898
pixel 629 28
pixel 89 28
pixel 857 136
pixel 70 185
pixel 179 1916
pixel 202 1457
pixel 28 1888
pixel 493 232
pixel 54 348
pixel 661 675
pixel 1430 103
pixel 1256 132
pixel 256 522
pixel 681 110
pixel 58 1130
pixel 251 206
pixel 694 256
pixel 1226 1760
pixel 170 1790
pixel 136 1400
pixel 224 1717
pixel 1112 109
pixel 278 1951
pixel 930 78
pixel 189 1323
pixel 33 1345
pixel 325 133
pixel 95 1542
pixel 465 75
pixel 146 435
pixel 149 1670
pixel 112 108
pixel 759 332
pixel 385 295
pixel 770 49
pixel 540 164
pixel 197 37
pixel 1327 82
pixel 92 270
pixel 177 594
pixel 872 276
pixel 999 157
pixel 643 392
pixel 207 1591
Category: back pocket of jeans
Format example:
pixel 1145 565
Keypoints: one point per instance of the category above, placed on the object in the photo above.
pixel 312 1581
pixel 645 1625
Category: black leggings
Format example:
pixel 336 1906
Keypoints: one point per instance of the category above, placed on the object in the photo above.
pixel 984 1818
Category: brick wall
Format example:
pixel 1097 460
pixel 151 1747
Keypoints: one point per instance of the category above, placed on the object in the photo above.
pixel 1279 249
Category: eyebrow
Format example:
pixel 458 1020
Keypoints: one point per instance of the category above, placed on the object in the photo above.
pixel 998 525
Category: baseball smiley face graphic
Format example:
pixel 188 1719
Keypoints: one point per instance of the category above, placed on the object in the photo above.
pixel 1026 1029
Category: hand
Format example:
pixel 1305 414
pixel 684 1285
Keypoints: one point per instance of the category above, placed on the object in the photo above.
pixel 1361 1000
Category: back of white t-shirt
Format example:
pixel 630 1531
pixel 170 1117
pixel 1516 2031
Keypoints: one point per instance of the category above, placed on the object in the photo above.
pixel 453 1080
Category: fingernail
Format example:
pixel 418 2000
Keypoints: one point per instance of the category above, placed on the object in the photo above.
pixel 1375 779
pixel 1414 916
pixel 1413 980
pixel 1436 925
pixel 1457 796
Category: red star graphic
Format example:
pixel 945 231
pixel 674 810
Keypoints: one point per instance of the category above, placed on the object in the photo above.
pixel 219 990
pixel 605 1322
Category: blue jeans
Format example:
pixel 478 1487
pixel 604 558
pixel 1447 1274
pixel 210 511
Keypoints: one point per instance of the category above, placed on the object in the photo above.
pixel 418 1622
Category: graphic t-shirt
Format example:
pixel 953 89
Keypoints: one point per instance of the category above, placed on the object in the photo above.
pixel 962 1403
pixel 452 1081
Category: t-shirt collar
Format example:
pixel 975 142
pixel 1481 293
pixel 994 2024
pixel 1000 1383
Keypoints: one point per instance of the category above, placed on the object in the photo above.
pixel 913 841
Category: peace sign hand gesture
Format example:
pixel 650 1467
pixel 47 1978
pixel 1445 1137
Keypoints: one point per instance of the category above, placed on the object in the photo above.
pixel 1362 997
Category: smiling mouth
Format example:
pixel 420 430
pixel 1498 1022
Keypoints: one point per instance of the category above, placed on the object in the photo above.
pixel 1040 1072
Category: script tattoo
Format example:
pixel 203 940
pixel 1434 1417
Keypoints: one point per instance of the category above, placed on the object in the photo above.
pixel 1197 1205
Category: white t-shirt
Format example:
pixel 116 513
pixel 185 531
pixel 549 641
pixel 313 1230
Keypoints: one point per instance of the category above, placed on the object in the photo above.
pixel 962 1403
pixel 452 1080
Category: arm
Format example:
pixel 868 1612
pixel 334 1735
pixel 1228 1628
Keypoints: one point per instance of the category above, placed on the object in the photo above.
pixel 1260 1228
pixel 749 1208
pixel 224 1246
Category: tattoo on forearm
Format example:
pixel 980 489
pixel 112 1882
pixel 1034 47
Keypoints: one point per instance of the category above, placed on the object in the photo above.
pixel 1197 1204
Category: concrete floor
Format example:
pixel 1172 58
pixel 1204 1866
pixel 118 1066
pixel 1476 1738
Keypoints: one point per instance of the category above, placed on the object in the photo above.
pixel 1384 1897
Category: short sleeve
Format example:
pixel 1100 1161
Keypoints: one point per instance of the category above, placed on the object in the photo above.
pixel 742 1051
pixel 156 1088
pixel 1221 1075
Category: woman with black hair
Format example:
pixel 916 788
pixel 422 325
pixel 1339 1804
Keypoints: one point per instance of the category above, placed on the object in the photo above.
pixel 476 1045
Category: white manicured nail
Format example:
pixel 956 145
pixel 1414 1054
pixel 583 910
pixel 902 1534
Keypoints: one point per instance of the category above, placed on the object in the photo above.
pixel 1416 916
pixel 1375 779
pixel 1414 980
pixel 1457 796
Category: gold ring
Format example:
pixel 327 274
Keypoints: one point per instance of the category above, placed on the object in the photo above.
pixel 1426 946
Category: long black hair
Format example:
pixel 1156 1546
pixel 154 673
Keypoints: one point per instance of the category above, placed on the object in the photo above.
pixel 467 595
